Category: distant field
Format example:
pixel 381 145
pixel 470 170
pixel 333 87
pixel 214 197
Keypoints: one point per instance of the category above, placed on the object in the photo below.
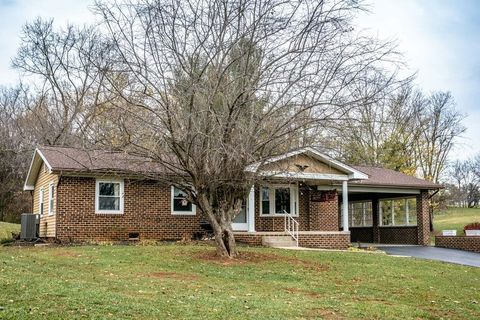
pixel 455 219
pixel 6 229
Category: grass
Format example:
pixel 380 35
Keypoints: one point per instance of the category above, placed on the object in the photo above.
pixel 172 281
pixel 455 219
pixel 6 229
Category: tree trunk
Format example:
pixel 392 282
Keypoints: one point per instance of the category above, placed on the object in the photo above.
pixel 225 241
pixel 222 228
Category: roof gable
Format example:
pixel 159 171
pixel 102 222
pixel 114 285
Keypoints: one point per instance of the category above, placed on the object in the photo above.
pixel 301 163
pixel 38 160
pixel 323 166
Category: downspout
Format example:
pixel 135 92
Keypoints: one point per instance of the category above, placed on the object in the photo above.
pixel 431 210
pixel 56 203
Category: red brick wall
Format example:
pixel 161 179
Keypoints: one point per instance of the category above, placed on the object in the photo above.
pixel 398 235
pixel 251 239
pixel 323 241
pixel 468 243
pixel 324 216
pixel 423 219
pixel 146 211
pixel 361 234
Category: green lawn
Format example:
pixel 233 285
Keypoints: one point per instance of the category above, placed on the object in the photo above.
pixel 172 281
pixel 455 219
pixel 6 229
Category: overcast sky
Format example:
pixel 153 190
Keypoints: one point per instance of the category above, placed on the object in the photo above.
pixel 440 40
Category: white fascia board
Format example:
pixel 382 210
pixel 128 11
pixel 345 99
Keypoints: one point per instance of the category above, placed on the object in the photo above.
pixel 44 159
pixel 365 189
pixel 29 185
pixel 303 175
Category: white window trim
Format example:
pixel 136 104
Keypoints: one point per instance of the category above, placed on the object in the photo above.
pixel 41 199
pixel 393 225
pixel 97 191
pixel 51 201
pixel 180 213
pixel 294 199
pixel 350 213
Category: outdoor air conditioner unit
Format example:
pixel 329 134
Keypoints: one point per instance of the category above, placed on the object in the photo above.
pixel 29 226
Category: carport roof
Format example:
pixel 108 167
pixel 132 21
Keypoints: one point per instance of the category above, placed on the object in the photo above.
pixel 383 177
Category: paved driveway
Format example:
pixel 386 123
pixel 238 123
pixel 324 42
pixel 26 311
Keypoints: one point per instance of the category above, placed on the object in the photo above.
pixel 434 253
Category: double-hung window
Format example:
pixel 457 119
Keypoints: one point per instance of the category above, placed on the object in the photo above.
pixel 278 200
pixel 41 199
pixel 109 196
pixel 179 203
pixel 51 189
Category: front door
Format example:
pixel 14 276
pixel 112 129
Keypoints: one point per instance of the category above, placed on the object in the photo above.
pixel 240 223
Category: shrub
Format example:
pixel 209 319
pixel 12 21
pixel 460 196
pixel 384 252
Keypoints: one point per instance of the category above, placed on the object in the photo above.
pixel 472 226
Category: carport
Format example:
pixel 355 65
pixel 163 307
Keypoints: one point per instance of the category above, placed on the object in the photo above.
pixel 389 208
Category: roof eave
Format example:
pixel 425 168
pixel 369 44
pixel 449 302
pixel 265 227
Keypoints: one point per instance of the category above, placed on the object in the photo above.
pixel 403 186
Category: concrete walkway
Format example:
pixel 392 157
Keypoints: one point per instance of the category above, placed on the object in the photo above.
pixel 434 253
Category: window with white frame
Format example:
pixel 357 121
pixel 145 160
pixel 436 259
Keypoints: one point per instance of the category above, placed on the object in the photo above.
pixel 180 205
pixel 398 212
pixel 41 198
pixel 109 196
pixel 51 193
pixel 360 214
pixel 278 199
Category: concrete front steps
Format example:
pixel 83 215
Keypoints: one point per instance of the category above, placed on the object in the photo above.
pixel 279 241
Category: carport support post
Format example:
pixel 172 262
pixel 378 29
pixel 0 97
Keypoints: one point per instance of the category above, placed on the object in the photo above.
pixel 423 218
pixel 375 218
pixel 251 210
pixel 345 205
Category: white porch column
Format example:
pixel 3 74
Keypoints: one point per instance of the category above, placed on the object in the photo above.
pixel 345 205
pixel 251 210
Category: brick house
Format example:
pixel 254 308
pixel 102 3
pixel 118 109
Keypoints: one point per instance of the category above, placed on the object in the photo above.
pixel 104 196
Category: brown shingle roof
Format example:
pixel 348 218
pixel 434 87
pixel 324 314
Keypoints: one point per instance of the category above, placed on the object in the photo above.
pixel 79 160
pixel 391 178
pixel 100 161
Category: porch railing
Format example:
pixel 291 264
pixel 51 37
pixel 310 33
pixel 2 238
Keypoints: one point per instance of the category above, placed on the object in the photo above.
pixel 291 226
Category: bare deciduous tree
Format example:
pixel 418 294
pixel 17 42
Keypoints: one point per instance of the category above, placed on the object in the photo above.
pixel 405 130
pixel 440 124
pixel 14 153
pixel 67 68
pixel 465 177
pixel 215 86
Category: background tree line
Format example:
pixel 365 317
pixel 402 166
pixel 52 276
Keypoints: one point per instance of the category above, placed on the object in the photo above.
pixel 463 183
